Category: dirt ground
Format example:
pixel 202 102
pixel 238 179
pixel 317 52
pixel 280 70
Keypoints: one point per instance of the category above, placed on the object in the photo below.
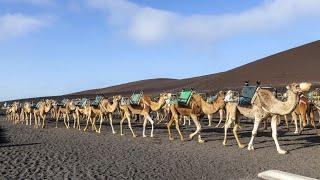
pixel 50 153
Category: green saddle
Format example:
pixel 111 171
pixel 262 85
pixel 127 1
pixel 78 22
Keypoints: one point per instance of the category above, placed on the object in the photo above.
pixel 185 97
pixel 97 101
pixel 135 98
pixel 80 103
pixel 246 95
pixel 62 103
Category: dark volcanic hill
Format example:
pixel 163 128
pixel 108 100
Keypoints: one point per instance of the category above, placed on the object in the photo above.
pixel 295 65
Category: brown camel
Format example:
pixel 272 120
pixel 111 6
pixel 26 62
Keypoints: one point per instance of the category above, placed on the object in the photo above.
pixel 43 107
pixel 145 106
pixel 303 111
pixel 264 104
pixel 195 108
pixel 65 111
pixel 27 110
pixel 108 110
pixel 82 111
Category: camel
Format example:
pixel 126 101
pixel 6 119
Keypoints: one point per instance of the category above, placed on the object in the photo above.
pixel 144 106
pixel 221 112
pixel 109 109
pixel 195 108
pixel 303 110
pixel 43 107
pixel 27 111
pixel 12 112
pixel 264 105
pixel 65 110
pixel 94 111
pixel 81 111
pixel 126 115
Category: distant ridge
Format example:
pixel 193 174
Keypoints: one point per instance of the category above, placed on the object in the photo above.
pixel 294 65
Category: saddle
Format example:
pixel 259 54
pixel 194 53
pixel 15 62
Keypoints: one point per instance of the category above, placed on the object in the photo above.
pixel 96 101
pixel 232 96
pixel 62 103
pixel 211 99
pixel 314 97
pixel 136 98
pixel 185 97
pixel 124 101
pixel 246 95
pixel 81 103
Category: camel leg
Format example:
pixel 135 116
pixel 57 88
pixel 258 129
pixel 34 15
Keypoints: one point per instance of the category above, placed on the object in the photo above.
pixel 101 120
pixel 221 112
pixel 286 120
pixel 198 125
pixel 130 127
pixel 85 129
pixel 68 120
pixel 65 120
pixel 295 118
pixel 35 121
pixel 74 120
pixel 173 118
pixel 254 133
pixel 30 117
pixel 152 125
pixel 121 122
pixel 274 135
pixel 144 127
pixel 111 123
pixel 184 120
pixel 209 119
pixel 235 133
pixel 43 121
pixel 301 122
pixel 39 120
pixel 226 127
pixel 78 122
pixel 93 123
pixel 57 118
pixel 178 129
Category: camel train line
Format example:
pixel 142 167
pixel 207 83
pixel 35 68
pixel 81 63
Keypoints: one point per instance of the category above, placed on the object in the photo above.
pixel 261 104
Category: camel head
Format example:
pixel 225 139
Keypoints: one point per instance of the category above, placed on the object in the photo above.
pixel 48 105
pixel 299 88
pixel 117 98
pixel 222 94
pixel 72 105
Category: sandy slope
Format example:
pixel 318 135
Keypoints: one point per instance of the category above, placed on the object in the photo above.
pixel 60 153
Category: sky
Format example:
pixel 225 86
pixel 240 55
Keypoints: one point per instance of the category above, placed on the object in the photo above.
pixel 55 47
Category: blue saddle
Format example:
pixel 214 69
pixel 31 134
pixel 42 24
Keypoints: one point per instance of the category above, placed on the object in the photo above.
pixel 246 95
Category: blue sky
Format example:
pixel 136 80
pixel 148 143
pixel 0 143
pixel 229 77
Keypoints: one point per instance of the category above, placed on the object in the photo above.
pixel 54 47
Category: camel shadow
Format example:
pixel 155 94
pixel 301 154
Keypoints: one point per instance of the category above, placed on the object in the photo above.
pixel 3 137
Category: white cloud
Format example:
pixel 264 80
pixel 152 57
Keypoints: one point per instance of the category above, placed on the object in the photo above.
pixel 15 25
pixel 146 24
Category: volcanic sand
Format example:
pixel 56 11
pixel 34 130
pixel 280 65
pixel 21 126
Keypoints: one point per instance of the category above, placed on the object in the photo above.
pixel 52 153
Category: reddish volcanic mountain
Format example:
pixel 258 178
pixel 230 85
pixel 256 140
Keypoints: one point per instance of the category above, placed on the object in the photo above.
pixel 294 65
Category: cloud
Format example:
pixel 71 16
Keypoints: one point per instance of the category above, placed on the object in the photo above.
pixel 148 25
pixel 16 25
pixel 32 2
